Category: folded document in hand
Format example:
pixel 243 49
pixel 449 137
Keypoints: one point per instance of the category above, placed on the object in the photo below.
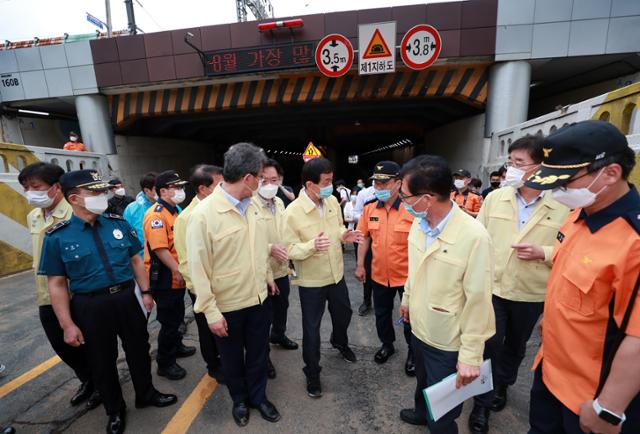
pixel 443 397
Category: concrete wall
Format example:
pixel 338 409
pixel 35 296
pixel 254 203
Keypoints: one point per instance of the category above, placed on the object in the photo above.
pixel 41 132
pixel 139 155
pixel 47 71
pixel 461 142
pixel 534 29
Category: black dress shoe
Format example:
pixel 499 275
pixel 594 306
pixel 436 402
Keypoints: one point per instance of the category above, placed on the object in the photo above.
pixel 285 343
pixel 240 414
pixel 185 351
pixel 94 400
pixel 182 328
pixel 271 370
pixel 346 352
pixel 499 398
pixel 409 416
pixel 158 400
pixel 268 411
pixel 116 423
pixel 479 420
pixel 383 354
pixel 83 393
pixel 410 366
pixel 173 372
pixel 364 309
pixel 314 389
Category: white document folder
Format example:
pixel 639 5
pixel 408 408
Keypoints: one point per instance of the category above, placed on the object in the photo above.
pixel 443 397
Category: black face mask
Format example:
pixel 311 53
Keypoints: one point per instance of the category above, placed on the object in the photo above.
pixel 495 184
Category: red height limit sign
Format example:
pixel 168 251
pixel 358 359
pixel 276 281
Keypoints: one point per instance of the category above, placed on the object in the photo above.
pixel 334 55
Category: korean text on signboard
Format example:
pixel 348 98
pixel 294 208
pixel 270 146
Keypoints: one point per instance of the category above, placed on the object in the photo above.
pixel 241 60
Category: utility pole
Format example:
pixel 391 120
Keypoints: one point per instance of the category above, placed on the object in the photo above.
pixel 133 29
pixel 107 5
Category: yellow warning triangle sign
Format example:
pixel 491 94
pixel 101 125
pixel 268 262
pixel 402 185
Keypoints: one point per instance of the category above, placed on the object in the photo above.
pixel 311 152
pixel 377 47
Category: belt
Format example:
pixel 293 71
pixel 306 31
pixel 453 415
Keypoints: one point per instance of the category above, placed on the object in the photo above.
pixel 109 290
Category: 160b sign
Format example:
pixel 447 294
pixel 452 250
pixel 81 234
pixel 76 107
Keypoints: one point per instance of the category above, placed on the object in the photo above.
pixel 9 82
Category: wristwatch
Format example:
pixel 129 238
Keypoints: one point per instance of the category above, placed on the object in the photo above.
pixel 146 292
pixel 608 415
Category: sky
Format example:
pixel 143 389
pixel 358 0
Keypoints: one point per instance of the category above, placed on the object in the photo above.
pixel 25 19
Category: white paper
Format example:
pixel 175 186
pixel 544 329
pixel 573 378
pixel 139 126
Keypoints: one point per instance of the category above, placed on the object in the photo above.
pixel 139 297
pixel 443 397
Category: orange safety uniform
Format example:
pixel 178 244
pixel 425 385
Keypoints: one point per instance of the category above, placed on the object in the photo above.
pixel 389 232
pixel 468 200
pixel 75 146
pixel 596 261
pixel 158 234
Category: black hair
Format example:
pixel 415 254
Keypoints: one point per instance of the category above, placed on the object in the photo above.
pixel 340 182
pixel 74 190
pixel 626 159
pixel 312 169
pixel 494 174
pixel 148 180
pixel 475 182
pixel 202 174
pixel 532 144
pixel 273 163
pixel 48 173
pixel 428 174
pixel 501 171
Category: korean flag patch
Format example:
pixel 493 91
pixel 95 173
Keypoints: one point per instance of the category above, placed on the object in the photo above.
pixel 156 224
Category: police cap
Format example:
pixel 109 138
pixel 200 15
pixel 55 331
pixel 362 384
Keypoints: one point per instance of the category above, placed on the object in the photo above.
pixel 573 148
pixel 86 179
pixel 385 170
pixel 169 178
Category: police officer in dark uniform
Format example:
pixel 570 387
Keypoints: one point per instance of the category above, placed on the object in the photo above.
pixel 95 256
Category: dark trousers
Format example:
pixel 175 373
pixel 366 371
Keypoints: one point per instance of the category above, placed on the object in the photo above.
pixel 102 318
pixel 383 298
pixel 312 302
pixel 432 366
pixel 170 314
pixel 367 286
pixel 74 357
pixel 208 347
pixel 279 307
pixel 244 353
pixel 547 415
pixel 515 321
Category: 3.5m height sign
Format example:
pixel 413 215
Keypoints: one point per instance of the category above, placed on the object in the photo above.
pixel 377 48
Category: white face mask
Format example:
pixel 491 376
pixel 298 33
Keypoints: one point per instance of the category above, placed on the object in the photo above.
pixel 513 177
pixel 268 191
pixel 39 199
pixel 459 183
pixel 96 204
pixel 73 139
pixel 577 197
pixel 119 191
pixel 179 196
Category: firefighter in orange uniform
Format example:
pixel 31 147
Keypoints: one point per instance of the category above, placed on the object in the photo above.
pixel 74 143
pixel 469 201
pixel 587 375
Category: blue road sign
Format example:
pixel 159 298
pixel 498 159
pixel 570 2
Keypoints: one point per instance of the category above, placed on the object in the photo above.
pixel 93 20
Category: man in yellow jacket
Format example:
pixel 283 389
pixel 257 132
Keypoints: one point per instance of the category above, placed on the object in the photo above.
pixel 523 224
pixel 314 233
pixel 272 210
pixel 204 179
pixel 227 253
pixel 447 296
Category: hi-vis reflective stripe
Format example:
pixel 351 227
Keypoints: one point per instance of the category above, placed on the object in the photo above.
pixel 466 83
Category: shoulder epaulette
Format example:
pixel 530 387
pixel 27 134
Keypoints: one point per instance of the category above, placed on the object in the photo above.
pixel 114 216
pixel 158 208
pixel 57 226
pixel 374 200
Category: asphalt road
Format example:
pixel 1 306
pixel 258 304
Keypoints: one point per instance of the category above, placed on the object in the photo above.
pixel 358 398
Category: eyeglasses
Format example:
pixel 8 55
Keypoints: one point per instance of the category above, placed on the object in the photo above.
pixel 517 165
pixel 404 197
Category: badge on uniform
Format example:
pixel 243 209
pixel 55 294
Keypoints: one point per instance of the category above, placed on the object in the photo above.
pixel 117 234
pixel 373 219
pixel 156 224
pixel 560 237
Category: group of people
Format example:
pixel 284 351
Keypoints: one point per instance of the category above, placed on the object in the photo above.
pixel 557 237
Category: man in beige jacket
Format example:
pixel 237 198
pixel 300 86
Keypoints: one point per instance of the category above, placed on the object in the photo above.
pixel 523 224
pixel 314 234
pixel 227 254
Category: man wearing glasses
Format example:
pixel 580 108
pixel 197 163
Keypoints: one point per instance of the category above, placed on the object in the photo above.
pixel 523 224
pixel 447 296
